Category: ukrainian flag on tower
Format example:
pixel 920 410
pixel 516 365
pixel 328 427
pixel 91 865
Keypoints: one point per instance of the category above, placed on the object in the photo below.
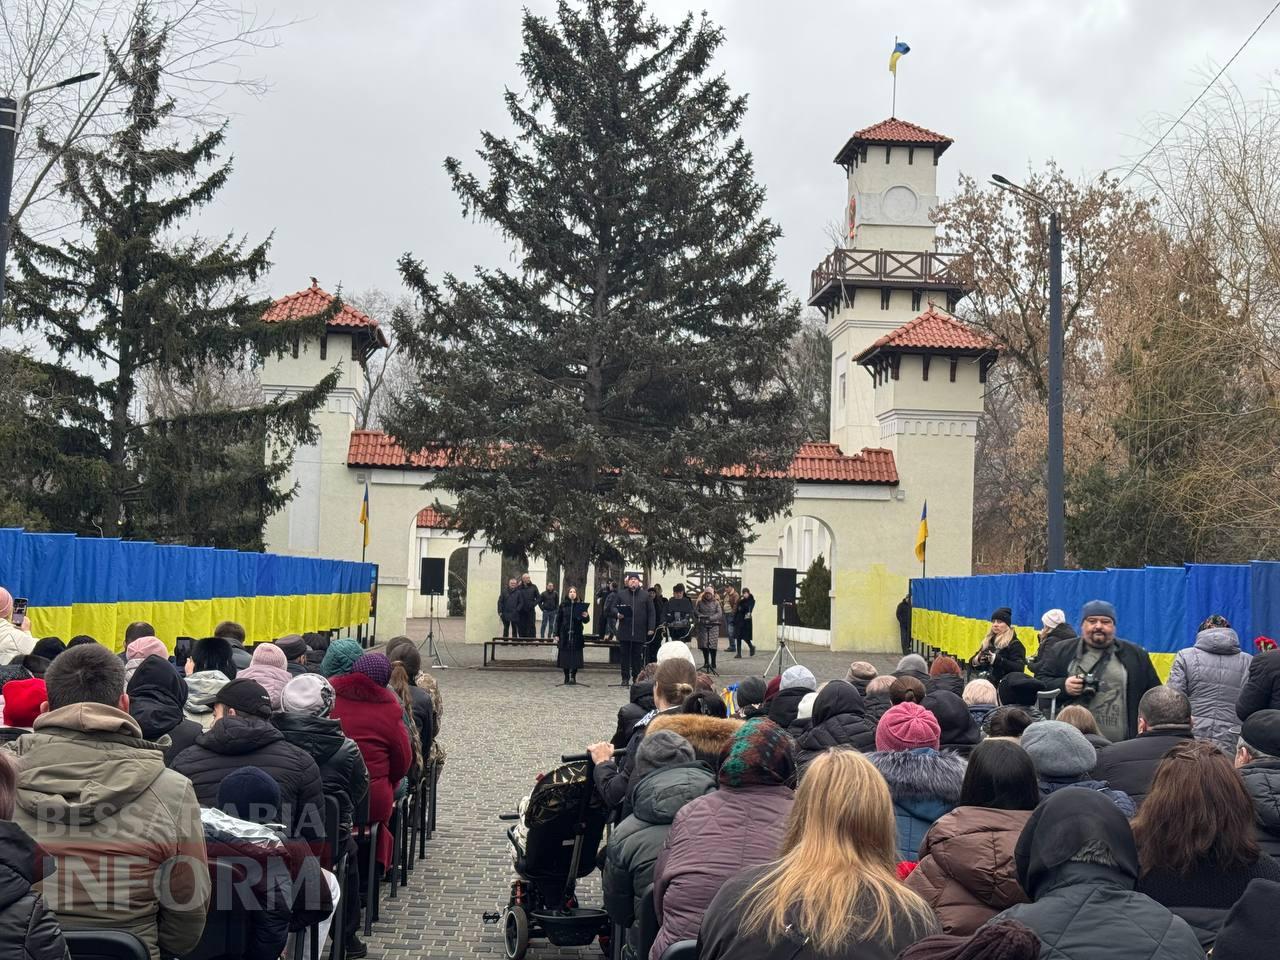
pixel 900 49
pixel 364 513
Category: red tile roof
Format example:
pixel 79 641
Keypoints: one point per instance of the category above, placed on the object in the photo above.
pixel 313 300
pixel 933 330
pixel 430 517
pixel 373 448
pixel 894 130
pixel 813 463
pixel 816 462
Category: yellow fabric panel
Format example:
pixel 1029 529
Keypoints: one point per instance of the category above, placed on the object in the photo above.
pixel 1030 638
pixel 244 611
pixel 97 620
pixel 1163 662
pixel 198 618
pixel 50 622
pixel 127 612
pixel 169 617
pixel 263 608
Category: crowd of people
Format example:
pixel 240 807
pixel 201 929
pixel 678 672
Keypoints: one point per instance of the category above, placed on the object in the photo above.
pixel 135 772
pixel 937 812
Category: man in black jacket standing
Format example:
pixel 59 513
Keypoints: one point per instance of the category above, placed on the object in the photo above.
pixel 1164 721
pixel 633 608
pixel 1102 673
pixel 529 590
pixel 510 605
pixel 549 604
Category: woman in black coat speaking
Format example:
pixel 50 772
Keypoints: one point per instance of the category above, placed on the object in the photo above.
pixel 570 622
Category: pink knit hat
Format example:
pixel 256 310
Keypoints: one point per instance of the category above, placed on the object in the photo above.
pixel 270 655
pixel 906 726
pixel 145 647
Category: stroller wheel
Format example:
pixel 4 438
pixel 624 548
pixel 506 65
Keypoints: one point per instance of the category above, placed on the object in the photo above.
pixel 515 932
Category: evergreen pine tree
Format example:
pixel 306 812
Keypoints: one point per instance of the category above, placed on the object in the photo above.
pixel 814 602
pixel 133 297
pixel 621 391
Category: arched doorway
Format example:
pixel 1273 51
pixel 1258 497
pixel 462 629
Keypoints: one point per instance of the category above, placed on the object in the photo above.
pixel 802 542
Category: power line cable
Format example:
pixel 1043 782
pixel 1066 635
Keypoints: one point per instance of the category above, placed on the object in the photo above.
pixel 1200 96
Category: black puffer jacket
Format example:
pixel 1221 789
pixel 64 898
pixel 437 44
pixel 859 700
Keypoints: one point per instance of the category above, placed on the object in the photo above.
pixel 839 720
pixel 343 774
pixel 156 698
pixel 236 741
pixel 424 716
pixel 28 929
pixel 629 714
pixel 784 707
pixel 1130 765
pixel 1262 780
pixel 1261 690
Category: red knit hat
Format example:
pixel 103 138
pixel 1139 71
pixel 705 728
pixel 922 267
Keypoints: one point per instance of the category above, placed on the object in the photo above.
pixel 22 699
pixel 906 726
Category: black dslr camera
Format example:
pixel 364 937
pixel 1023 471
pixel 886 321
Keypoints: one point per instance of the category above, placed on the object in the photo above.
pixel 1091 682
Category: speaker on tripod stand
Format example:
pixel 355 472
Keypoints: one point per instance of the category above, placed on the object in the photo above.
pixel 431 584
pixel 784 598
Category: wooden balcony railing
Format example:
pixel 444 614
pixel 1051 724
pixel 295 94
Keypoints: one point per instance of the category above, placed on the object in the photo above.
pixel 897 267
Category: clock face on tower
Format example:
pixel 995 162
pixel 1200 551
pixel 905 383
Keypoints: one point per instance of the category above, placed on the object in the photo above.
pixel 899 204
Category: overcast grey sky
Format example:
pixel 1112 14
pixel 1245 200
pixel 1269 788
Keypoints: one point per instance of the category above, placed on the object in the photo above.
pixel 342 159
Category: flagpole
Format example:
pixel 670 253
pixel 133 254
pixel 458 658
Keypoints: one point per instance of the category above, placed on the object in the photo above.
pixel 893 110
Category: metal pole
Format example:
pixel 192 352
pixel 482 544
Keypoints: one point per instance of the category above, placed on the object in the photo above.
pixel 1055 557
pixel 8 143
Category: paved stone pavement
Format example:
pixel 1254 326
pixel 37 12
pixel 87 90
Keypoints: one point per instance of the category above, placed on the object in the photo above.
pixel 503 726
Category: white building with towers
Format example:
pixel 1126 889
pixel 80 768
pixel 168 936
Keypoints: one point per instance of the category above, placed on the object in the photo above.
pixel 907 386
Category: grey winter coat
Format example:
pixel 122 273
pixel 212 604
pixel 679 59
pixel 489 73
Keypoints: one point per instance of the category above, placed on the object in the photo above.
pixel 1262 780
pixel 1211 675
pixel 635 844
pixel 1084 911
pixel 924 785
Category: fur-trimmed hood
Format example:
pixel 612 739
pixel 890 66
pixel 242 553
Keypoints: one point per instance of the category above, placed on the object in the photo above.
pixel 922 774
pixel 708 736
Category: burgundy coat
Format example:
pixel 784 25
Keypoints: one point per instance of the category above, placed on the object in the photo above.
pixel 713 838
pixel 373 717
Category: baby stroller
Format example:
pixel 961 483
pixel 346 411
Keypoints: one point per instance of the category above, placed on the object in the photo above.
pixel 553 845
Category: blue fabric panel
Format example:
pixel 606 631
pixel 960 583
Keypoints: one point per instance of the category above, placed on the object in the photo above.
pixel 11 560
pixel 98 564
pixel 173 562
pixel 200 571
pixel 1219 588
pixel 49 569
pixel 226 581
pixel 1166 605
pixel 1264 591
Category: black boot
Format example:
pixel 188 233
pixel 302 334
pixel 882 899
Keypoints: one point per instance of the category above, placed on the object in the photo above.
pixel 356 947
pixel 713 661
pixel 752 646
pixel 567 679
pixel 573 678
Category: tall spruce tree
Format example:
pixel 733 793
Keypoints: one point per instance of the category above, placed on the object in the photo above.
pixel 133 296
pixel 620 391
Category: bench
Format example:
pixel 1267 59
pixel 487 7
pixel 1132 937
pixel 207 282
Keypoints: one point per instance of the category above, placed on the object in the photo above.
pixel 591 641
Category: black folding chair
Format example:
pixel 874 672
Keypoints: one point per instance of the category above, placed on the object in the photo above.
pixel 681 950
pixel 366 837
pixel 647 924
pixel 399 826
pixel 104 945
pixel 226 928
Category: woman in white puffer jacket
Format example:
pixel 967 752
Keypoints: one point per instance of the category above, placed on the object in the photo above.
pixel 1211 674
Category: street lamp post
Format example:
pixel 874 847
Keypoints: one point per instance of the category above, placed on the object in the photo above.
pixel 1055 555
pixel 11 110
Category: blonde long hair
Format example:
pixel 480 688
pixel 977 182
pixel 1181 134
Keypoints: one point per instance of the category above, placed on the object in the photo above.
pixel 836 879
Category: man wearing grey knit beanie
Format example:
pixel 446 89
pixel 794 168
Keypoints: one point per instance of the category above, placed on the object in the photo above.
pixel 1102 673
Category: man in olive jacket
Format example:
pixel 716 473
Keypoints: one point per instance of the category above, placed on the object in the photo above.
pixel 125 833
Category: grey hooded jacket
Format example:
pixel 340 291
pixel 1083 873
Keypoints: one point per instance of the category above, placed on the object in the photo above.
pixel 635 843
pixel 1211 674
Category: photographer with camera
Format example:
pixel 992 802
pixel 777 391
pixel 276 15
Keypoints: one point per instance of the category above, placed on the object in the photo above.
pixel 1104 674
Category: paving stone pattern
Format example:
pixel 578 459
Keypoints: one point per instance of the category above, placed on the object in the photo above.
pixel 502 727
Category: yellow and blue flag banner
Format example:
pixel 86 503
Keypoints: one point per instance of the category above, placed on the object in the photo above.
pixel 900 50
pixel 97 587
pixel 364 513
pixel 922 532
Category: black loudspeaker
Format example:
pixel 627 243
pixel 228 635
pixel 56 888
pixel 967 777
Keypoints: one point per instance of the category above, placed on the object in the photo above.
pixel 432 580
pixel 784 586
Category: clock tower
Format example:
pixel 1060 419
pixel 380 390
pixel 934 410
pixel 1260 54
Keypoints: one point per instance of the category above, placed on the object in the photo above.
pixel 887 270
